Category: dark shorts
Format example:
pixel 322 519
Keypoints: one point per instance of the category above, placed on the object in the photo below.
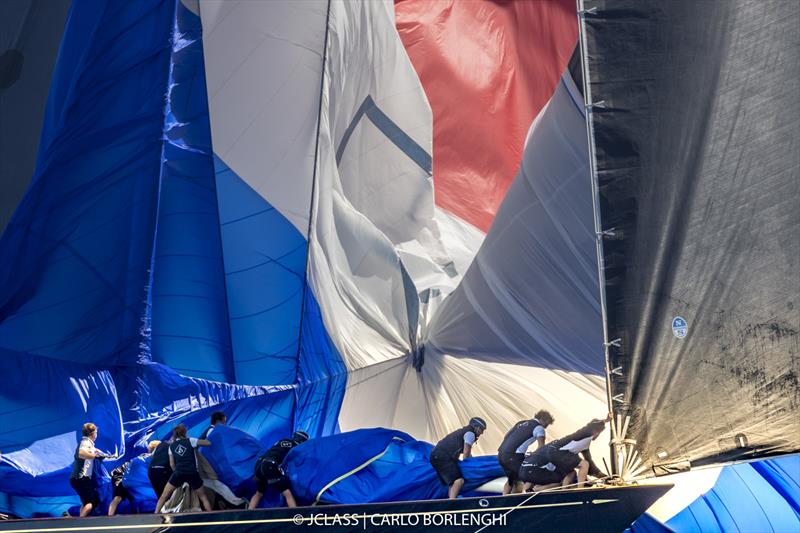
pixel 532 473
pixel 270 475
pixel 159 477
pixel 511 463
pixel 564 461
pixel 86 489
pixel 531 470
pixel 119 491
pixel 446 467
pixel 193 479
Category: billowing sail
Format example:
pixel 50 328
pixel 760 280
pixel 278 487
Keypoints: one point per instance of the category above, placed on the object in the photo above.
pixel 695 125
pixel 239 205
pixel 257 234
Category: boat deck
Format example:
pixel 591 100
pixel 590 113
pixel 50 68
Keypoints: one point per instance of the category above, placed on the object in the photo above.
pixel 609 509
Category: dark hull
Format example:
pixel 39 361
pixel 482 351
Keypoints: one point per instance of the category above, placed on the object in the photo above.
pixel 598 510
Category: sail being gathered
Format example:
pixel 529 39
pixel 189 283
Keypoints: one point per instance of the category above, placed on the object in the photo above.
pixel 234 206
pixel 249 205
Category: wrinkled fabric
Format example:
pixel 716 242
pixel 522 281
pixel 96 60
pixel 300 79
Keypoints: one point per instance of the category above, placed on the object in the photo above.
pixel 488 68
pixel 375 465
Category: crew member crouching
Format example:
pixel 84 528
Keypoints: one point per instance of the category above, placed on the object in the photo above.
pixel 121 492
pixel 444 456
pixel 554 464
pixel 512 450
pixel 269 472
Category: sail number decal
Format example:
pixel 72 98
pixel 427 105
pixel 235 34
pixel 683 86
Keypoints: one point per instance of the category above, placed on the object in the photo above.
pixel 679 327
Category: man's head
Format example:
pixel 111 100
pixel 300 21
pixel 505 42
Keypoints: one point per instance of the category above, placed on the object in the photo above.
pixel 478 425
pixel 596 426
pixel 152 445
pixel 179 432
pixel 89 430
pixel 544 417
pixel 218 417
pixel 300 436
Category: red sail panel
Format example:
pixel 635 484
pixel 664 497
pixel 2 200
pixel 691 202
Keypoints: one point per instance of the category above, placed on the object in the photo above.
pixel 488 68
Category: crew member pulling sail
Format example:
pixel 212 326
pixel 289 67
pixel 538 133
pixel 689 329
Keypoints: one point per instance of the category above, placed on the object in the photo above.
pixel 512 450
pixel 217 417
pixel 444 456
pixel 159 470
pixel 83 478
pixel 120 491
pixel 184 465
pixel 554 464
pixel 269 470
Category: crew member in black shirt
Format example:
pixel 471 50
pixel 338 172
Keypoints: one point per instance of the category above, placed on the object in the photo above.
pixel 159 471
pixel 554 464
pixel 269 470
pixel 512 450
pixel 444 456
pixel 184 465
pixel 120 492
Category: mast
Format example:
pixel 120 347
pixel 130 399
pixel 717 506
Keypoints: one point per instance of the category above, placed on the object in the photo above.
pixel 599 232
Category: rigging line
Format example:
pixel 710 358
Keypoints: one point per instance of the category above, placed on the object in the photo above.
pixel 532 496
pixel 313 192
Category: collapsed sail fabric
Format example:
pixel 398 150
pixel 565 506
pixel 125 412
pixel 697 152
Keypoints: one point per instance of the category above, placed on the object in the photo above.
pixel 524 324
pixel 758 496
pixel 30 31
pixel 203 234
pixel 233 208
pixel 695 126
pixel 375 465
pixel 362 466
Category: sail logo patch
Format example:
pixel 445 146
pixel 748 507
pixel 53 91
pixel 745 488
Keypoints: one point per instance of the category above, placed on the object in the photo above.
pixel 180 449
pixel 679 327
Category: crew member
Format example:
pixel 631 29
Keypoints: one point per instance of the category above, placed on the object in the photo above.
pixel 159 470
pixel 83 478
pixel 217 417
pixel 512 450
pixel 269 470
pixel 120 492
pixel 444 456
pixel 183 462
pixel 554 464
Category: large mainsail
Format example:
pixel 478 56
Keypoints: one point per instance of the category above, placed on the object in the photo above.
pixel 694 134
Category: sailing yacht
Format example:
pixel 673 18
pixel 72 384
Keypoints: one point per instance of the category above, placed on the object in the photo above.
pixel 236 204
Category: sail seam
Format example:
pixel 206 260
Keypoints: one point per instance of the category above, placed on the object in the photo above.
pixel 313 192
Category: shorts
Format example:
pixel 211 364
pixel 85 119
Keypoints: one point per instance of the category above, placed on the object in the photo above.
pixel 86 489
pixel 533 473
pixel 511 463
pixel 565 461
pixel 159 477
pixel 446 467
pixel 270 475
pixel 193 479
pixel 119 491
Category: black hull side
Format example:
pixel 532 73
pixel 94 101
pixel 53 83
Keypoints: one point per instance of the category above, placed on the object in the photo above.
pixel 600 510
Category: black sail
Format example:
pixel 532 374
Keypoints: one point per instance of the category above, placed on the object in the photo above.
pixel 695 131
